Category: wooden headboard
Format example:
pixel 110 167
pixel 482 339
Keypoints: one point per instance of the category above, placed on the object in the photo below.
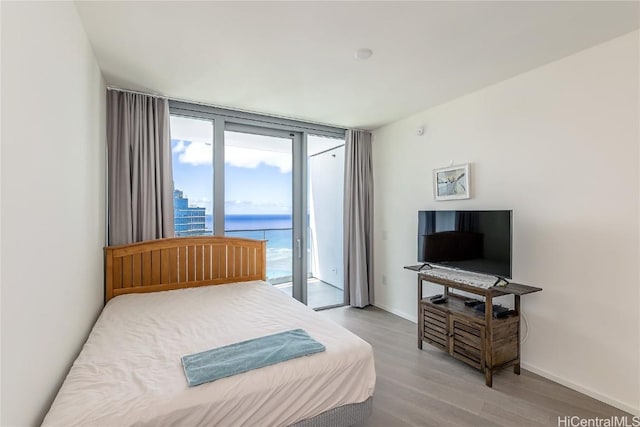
pixel 182 262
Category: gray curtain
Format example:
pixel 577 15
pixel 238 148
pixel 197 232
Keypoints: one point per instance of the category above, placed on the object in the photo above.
pixel 139 168
pixel 358 219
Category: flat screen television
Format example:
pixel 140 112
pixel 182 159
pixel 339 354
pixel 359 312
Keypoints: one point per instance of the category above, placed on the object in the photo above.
pixel 478 241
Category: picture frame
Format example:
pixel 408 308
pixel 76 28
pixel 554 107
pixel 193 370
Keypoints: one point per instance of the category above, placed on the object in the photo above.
pixel 452 182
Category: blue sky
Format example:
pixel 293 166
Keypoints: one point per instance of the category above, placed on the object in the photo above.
pixel 260 190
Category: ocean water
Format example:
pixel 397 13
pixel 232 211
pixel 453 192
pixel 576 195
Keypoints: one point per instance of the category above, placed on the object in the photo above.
pixel 275 229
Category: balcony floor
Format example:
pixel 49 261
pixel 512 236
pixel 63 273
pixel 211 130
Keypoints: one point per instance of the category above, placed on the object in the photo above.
pixel 319 293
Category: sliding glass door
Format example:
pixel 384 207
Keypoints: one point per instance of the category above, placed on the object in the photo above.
pixel 244 175
pixel 259 195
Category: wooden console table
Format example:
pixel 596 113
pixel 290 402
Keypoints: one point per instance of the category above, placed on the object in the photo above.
pixel 478 339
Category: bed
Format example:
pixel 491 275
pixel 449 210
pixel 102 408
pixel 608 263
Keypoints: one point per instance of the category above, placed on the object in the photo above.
pixel 172 297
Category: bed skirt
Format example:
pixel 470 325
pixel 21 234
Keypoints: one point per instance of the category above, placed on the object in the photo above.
pixel 343 416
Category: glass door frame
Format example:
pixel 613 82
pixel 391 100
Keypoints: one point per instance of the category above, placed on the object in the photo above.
pixel 226 119
pixel 308 180
pixel 299 197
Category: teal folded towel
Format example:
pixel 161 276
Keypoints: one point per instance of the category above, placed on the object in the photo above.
pixel 211 365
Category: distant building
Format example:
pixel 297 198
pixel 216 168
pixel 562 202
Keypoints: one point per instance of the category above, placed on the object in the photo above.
pixel 189 221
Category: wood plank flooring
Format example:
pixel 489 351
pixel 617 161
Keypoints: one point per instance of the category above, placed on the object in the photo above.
pixel 429 388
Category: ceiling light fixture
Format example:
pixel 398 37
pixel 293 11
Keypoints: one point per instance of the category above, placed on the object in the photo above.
pixel 363 53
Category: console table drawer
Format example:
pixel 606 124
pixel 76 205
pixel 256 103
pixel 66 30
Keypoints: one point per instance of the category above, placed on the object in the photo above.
pixel 436 339
pixel 434 313
pixel 435 326
pixel 467 342
pixel 468 332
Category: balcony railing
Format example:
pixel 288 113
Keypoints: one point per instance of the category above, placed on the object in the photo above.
pixel 279 251
pixel 260 232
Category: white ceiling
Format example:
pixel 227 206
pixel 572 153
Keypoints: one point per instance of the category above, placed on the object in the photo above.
pixel 295 59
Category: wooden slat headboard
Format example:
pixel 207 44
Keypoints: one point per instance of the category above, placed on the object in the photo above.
pixel 182 262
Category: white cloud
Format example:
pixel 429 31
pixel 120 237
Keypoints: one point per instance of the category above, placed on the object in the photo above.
pixel 251 158
pixel 194 153
pixel 179 147
pixel 194 146
pixel 198 153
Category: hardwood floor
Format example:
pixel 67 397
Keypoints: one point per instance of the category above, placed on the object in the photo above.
pixel 429 388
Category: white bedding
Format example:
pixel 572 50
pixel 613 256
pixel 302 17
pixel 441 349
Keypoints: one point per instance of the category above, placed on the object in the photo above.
pixel 129 371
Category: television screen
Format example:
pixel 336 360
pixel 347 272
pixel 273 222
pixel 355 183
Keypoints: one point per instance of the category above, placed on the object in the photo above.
pixel 478 241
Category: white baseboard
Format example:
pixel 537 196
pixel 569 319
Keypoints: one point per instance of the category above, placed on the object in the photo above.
pixel 402 314
pixel 584 390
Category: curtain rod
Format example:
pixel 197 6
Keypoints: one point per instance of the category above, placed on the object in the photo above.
pixel 155 95
pixel 137 92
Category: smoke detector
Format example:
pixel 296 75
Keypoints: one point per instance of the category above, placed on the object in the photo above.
pixel 363 54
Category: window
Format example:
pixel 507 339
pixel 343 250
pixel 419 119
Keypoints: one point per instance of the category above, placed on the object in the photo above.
pixel 192 156
pixel 246 175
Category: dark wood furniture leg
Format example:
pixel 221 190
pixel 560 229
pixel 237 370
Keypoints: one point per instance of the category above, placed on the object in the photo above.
pixel 516 366
pixel 488 334
pixel 420 315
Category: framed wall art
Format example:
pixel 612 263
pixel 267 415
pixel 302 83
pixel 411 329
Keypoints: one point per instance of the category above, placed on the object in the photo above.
pixel 451 183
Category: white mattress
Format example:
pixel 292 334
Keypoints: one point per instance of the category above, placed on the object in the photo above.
pixel 129 371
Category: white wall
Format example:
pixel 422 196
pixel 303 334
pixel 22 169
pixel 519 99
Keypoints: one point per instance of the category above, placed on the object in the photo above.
pixel 326 172
pixel 52 180
pixel 560 146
